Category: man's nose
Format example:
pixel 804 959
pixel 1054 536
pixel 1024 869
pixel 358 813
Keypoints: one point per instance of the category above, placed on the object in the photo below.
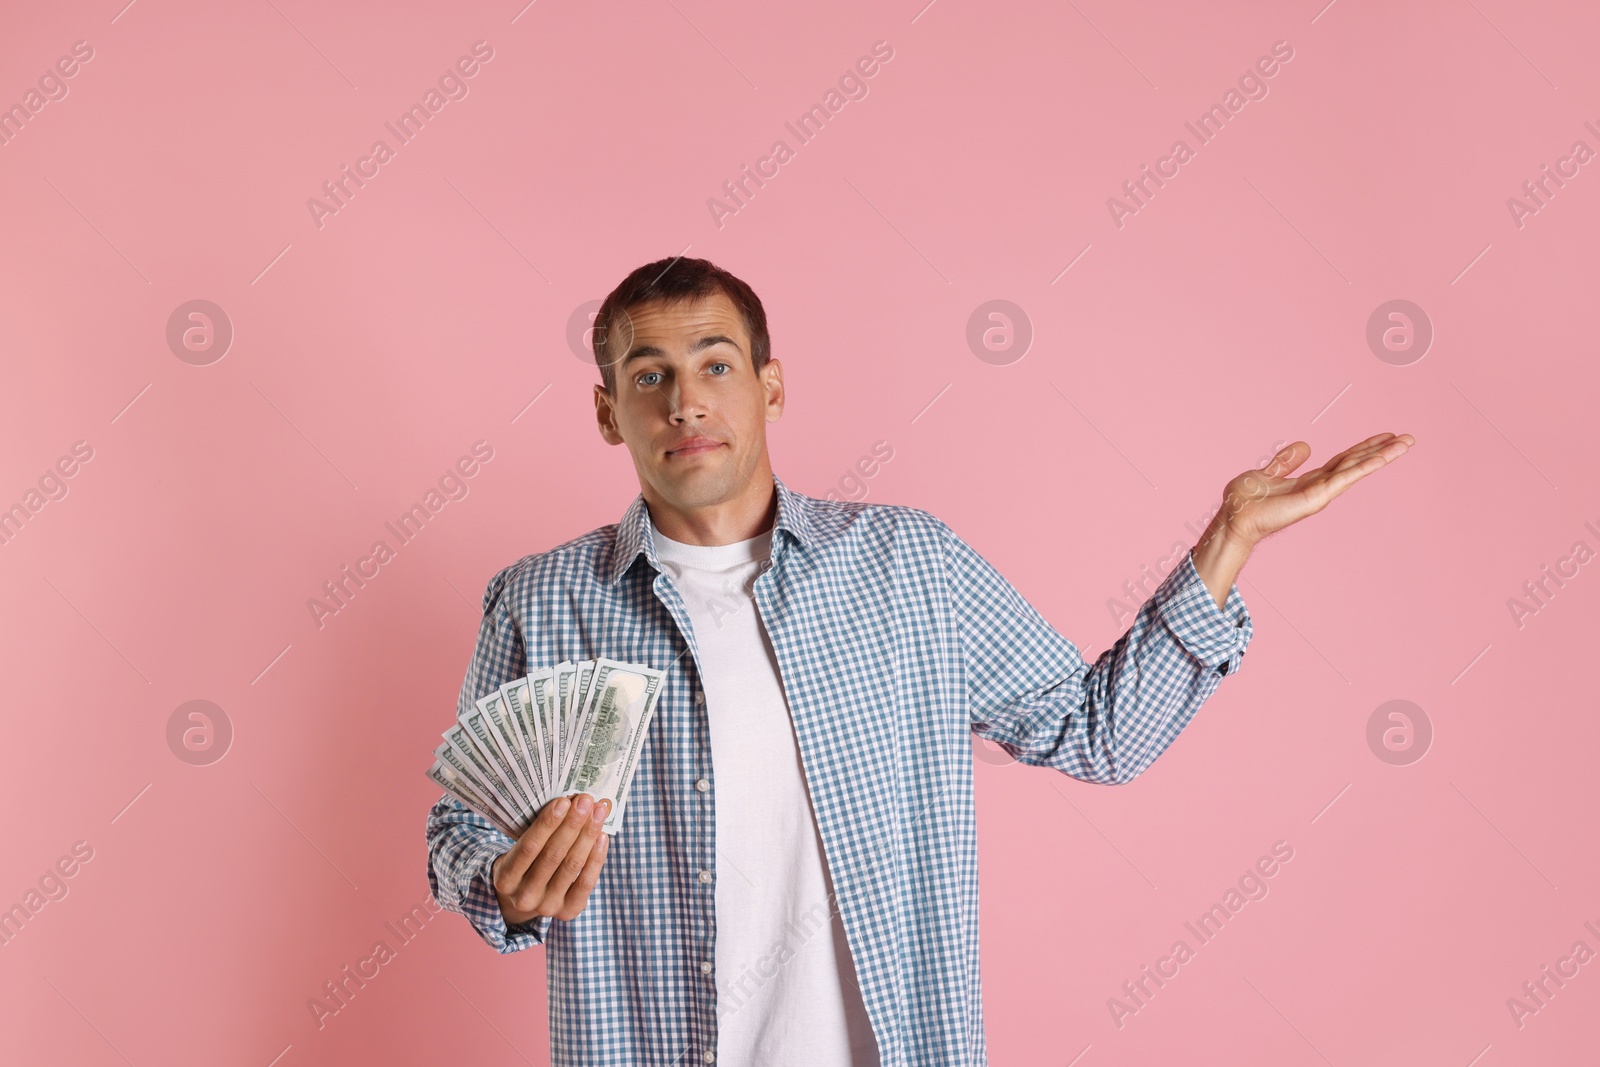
pixel 688 400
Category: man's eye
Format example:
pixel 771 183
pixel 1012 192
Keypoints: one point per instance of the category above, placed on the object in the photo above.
pixel 647 374
pixel 719 364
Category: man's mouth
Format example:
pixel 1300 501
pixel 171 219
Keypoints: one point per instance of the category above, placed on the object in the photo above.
pixel 694 446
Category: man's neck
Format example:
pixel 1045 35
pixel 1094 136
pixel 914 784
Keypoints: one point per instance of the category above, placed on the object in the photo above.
pixel 722 523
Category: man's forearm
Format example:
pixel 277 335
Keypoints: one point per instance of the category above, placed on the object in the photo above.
pixel 1219 556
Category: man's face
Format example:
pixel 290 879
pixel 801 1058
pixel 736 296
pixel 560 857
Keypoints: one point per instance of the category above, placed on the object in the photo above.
pixel 689 404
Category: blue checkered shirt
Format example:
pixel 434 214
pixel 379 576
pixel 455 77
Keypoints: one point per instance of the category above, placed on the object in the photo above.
pixel 895 642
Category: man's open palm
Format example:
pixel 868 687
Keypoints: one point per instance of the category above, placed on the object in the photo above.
pixel 1270 500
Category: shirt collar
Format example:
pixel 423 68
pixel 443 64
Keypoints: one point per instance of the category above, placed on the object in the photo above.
pixel 635 531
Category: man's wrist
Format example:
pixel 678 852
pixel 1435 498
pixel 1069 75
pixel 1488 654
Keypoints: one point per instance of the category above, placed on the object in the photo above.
pixel 1219 556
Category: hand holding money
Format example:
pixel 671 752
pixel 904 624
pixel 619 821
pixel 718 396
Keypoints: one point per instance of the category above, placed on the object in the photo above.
pixel 554 865
pixel 576 727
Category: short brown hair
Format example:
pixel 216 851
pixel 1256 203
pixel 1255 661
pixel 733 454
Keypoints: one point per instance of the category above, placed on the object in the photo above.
pixel 675 281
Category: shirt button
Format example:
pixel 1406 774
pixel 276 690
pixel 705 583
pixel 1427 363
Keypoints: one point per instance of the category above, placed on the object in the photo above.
pixel 705 876
pixel 699 698
pixel 710 1055
pixel 705 966
pixel 702 785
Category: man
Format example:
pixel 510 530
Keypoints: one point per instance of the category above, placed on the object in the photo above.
pixel 796 881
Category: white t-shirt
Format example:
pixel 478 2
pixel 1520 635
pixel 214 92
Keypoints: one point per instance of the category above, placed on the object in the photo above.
pixel 786 985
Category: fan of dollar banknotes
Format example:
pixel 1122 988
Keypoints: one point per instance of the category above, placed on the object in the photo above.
pixel 576 727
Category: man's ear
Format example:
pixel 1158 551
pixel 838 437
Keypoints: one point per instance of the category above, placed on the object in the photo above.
pixel 606 416
pixel 772 384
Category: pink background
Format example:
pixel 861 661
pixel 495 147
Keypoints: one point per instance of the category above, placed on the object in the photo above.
pixel 1228 315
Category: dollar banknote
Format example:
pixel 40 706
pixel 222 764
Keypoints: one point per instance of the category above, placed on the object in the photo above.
pixel 542 684
pixel 461 755
pixel 578 726
pixel 452 782
pixel 526 720
pixel 611 731
pixel 481 733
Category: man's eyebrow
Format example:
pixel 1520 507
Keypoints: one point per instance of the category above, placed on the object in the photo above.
pixel 644 351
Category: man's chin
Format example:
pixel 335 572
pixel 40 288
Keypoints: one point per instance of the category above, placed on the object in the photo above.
pixel 698 485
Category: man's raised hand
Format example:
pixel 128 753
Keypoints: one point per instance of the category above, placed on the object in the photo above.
pixel 1262 502
pixel 554 866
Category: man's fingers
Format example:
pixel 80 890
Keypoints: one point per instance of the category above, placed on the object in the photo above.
pixel 1331 464
pixel 571 867
pixel 1358 451
pixel 1353 456
pixel 1282 461
pixel 1364 453
pixel 1362 446
pixel 512 868
pixel 1361 453
pixel 578 894
pixel 1343 479
pixel 560 843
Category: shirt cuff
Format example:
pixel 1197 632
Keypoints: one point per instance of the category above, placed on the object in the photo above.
pixel 1217 637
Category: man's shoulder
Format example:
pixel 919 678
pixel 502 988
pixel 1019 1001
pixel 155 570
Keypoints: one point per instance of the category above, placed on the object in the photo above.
pixel 585 554
pixel 841 520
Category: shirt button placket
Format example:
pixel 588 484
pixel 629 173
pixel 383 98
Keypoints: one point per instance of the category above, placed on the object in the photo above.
pixel 705 876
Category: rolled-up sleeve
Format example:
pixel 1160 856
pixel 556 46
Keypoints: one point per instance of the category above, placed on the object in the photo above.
pixel 462 845
pixel 1214 636
pixel 1032 693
